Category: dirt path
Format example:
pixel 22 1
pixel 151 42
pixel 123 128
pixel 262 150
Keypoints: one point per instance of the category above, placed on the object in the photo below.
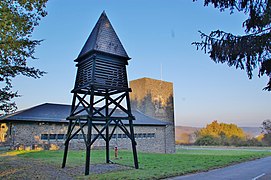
pixel 13 167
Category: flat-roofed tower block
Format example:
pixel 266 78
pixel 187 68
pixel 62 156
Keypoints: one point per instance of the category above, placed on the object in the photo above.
pixel 155 98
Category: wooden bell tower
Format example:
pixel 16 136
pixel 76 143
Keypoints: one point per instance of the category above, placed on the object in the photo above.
pixel 101 94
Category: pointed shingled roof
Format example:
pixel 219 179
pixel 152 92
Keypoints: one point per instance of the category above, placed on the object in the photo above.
pixel 103 38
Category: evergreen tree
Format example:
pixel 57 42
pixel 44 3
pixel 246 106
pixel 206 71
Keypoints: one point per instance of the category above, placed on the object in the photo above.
pixel 249 51
pixel 17 21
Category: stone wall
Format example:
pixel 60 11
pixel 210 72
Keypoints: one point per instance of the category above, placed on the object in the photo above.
pixel 22 135
pixel 155 98
pixel 39 135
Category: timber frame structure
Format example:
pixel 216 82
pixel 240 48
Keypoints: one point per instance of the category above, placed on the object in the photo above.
pixel 96 116
pixel 101 89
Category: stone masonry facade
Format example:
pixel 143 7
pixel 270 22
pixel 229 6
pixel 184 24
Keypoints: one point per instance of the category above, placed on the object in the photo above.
pixel 155 98
pixel 51 136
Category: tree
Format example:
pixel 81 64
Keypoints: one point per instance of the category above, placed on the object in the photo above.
pixel 224 134
pixel 223 130
pixel 247 52
pixel 266 130
pixel 18 18
pixel 266 126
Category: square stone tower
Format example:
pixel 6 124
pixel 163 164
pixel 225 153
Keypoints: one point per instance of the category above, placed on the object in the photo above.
pixel 155 98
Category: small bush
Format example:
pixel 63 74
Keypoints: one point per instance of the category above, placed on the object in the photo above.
pixel 207 140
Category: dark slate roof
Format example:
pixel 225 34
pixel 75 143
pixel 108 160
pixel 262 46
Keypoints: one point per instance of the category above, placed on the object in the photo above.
pixel 49 112
pixel 103 38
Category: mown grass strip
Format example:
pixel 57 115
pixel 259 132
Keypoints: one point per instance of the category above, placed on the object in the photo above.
pixel 152 165
pixel 156 166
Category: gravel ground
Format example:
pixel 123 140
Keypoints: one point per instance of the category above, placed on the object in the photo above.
pixel 12 167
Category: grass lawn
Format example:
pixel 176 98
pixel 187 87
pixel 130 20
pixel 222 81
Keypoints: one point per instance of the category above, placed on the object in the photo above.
pixel 151 165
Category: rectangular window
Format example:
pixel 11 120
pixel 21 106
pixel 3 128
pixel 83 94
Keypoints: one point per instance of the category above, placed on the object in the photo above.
pixel 76 136
pixel 144 135
pixel 60 136
pixel 52 136
pixel 150 135
pixel 82 136
pixel 44 136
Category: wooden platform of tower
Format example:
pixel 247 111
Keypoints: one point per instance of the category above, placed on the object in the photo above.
pixel 101 89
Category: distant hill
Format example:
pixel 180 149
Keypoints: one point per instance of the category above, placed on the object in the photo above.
pixel 186 134
pixel 252 131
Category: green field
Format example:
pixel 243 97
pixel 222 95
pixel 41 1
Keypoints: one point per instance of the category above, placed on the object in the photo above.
pixel 151 165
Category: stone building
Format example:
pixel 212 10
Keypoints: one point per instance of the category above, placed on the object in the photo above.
pixel 154 98
pixel 45 126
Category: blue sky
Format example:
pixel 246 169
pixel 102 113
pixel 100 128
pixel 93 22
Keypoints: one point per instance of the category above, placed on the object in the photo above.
pixel 154 33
